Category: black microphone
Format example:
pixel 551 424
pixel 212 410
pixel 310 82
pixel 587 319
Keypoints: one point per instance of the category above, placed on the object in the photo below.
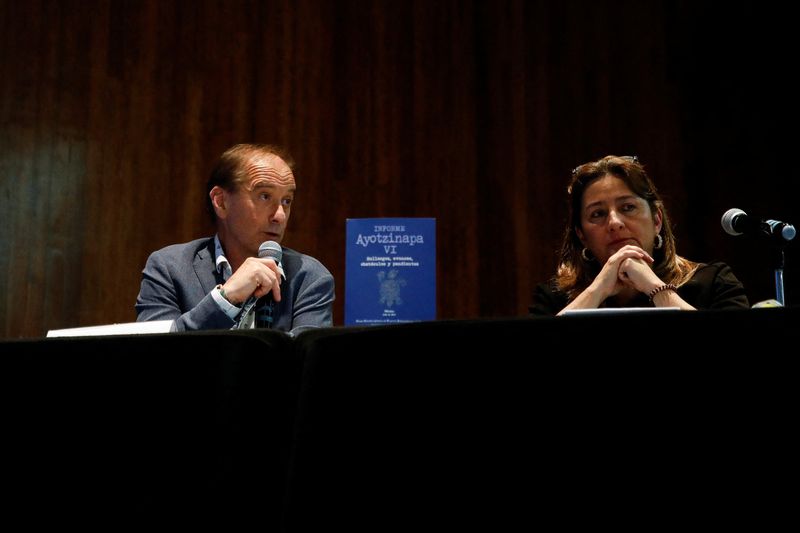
pixel 270 249
pixel 264 305
pixel 737 222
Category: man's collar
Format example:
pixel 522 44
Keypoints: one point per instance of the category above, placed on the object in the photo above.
pixel 221 262
pixel 223 266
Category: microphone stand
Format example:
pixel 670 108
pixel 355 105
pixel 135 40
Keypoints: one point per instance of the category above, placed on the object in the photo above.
pixel 779 242
pixel 779 234
pixel 780 260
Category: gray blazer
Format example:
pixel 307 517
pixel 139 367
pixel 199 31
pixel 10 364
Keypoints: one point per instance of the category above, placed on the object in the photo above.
pixel 177 283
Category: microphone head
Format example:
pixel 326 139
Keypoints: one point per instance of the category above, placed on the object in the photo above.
pixel 788 232
pixel 270 249
pixel 728 218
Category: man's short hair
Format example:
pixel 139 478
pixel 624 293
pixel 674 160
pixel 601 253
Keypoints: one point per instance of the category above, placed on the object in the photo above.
pixel 230 169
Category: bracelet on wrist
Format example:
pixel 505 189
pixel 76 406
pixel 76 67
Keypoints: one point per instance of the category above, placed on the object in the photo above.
pixel 661 288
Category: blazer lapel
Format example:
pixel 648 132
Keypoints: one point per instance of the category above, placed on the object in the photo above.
pixel 205 268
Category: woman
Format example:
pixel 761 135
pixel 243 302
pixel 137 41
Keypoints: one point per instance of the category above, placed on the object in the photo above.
pixel 618 250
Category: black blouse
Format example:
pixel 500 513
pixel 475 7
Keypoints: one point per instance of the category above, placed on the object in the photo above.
pixel 713 286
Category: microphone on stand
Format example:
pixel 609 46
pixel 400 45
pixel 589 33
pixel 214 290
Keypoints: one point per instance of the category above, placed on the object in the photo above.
pixel 737 222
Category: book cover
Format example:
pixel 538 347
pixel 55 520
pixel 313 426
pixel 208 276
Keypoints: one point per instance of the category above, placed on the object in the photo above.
pixel 390 270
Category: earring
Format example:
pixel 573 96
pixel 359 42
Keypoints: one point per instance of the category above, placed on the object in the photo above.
pixel 585 256
pixel 659 242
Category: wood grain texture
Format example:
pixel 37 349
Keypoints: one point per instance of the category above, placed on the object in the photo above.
pixel 112 114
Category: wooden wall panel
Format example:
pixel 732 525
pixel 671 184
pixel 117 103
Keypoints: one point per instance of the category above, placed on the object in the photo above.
pixel 112 114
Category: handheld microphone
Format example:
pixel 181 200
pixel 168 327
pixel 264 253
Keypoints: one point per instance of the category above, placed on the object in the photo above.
pixel 270 249
pixel 737 222
pixel 265 305
pixel 267 250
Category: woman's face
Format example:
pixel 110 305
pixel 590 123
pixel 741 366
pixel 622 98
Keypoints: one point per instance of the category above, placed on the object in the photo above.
pixel 612 216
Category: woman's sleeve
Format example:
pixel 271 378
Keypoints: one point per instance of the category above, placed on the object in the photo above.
pixel 547 300
pixel 728 290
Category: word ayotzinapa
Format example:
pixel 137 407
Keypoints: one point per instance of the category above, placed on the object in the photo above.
pixel 389 238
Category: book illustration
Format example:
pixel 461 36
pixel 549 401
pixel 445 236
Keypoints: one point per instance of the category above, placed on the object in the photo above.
pixel 390 288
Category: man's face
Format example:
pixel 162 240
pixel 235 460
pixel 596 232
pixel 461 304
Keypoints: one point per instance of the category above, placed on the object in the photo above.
pixel 258 209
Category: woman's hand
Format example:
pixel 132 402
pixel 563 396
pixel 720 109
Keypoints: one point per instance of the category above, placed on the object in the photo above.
pixel 613 276
pixel 610 281
pixel 637 274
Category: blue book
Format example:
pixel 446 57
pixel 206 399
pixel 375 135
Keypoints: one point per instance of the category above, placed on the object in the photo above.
pixel 390 271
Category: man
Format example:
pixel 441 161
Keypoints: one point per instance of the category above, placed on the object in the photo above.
pixel 215 282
